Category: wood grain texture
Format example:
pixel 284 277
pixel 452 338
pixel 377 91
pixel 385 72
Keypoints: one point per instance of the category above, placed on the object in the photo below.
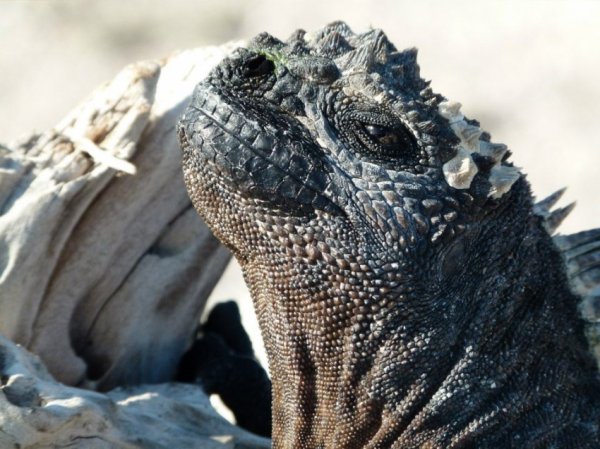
pixel 104 265
pixel 36 412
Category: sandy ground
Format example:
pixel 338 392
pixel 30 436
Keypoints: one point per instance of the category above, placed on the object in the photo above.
pixel 528 70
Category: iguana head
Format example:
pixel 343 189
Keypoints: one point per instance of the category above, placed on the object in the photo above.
pixel 367 213
pixel 336 132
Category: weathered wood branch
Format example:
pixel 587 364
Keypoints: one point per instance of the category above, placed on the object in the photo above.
pixel 104 265
pixel 105 268
pixel 37 412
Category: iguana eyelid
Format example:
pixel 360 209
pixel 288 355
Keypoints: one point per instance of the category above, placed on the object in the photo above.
pixel 394 139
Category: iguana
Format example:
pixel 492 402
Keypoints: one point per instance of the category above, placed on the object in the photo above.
pixel 408 290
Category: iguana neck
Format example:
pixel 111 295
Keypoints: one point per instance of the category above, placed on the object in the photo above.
pixel 401 380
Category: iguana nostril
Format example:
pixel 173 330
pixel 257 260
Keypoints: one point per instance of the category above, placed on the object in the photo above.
pixel 258 66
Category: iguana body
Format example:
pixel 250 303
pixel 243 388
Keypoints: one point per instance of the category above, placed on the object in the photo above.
pixel 408 295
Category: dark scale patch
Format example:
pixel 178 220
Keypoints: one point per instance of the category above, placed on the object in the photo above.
pixel 397 311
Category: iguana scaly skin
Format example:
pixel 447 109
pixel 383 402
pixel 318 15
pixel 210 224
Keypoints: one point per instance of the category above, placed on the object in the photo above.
pixel 407 293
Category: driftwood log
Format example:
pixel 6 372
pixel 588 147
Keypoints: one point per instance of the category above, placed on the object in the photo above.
pixel 104 270
pixel 36 412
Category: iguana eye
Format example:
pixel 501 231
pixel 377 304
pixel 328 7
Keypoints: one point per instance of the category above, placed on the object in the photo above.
pixel 390 141
pixel 382 134
pixel 377 134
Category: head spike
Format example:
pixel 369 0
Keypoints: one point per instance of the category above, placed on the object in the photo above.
pixel 567 243
pixel 502 177
pixel 494 150
pixel 333 44
pixel 542 208
pixel 360 59
pixel 380 46
pixel 450 110
pixel 555 218
pixel 460 170
pixel 336 27
pixel 468 134
pixel 297 36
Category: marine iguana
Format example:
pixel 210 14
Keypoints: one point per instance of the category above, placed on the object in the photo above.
pixel 408 291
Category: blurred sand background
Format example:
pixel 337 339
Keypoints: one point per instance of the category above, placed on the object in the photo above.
pixel 529 71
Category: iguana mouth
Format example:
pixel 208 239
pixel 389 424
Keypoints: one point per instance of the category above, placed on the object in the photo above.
pixel 266 163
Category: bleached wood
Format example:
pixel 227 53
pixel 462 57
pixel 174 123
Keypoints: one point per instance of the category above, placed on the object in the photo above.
pixel 104 265
pixel 36 412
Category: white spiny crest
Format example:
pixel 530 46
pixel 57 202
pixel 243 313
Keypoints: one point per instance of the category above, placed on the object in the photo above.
pixel 469 135
pixel 502 177
pixel 460 170
pixel 450 110
pixel 494 150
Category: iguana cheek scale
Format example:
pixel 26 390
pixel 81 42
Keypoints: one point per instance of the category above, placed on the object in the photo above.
pixel 408 290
